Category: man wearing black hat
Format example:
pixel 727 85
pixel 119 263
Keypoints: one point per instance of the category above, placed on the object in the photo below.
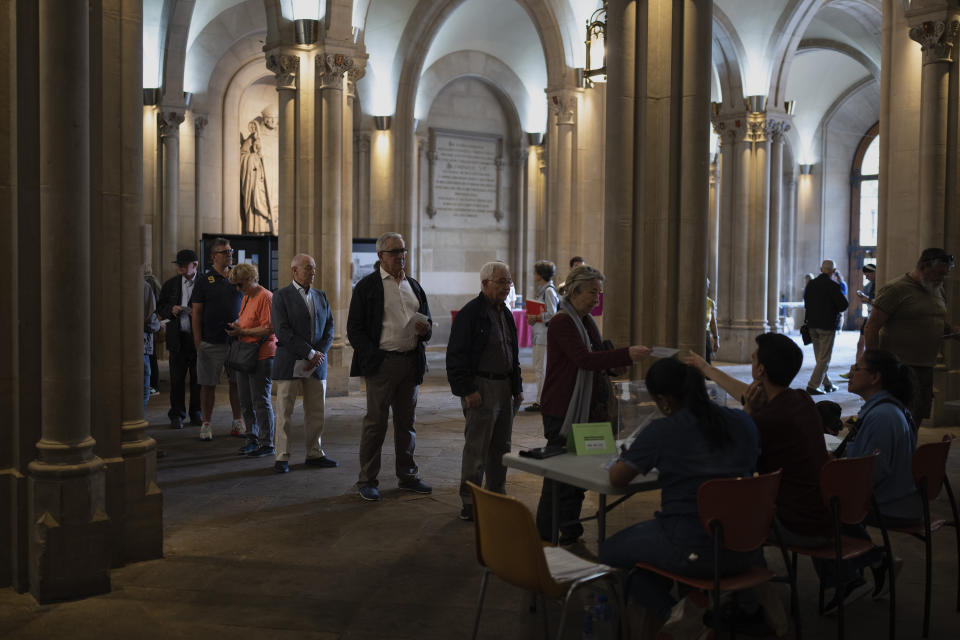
pixel 174 307
pixel 909 318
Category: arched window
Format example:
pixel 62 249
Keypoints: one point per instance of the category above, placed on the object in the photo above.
pixel 864 204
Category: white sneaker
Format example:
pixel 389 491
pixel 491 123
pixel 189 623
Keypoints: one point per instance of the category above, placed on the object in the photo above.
pixel 206 433
pixel 239 429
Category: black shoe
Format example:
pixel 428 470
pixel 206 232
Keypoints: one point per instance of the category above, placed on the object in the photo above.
pixel 369 492
pixel 260 452
pixel 248 448
pixel 533 408
pixel 854 590
pixel 829 388
pixel 176 423
pixel 196 419
pixel 416 485
pixel 466 513
pixel 323 462
pixel 814 392
pixel 281 466
pixel 566 539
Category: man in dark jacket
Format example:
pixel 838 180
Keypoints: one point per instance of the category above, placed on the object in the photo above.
pixel 174 305
pixel 388 324
pixel 824 302
pixel 483 369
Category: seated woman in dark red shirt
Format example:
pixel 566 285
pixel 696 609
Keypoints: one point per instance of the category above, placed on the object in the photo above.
pixel 573 389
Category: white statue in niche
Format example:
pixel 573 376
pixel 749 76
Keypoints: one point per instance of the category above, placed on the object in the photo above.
pixel 257 199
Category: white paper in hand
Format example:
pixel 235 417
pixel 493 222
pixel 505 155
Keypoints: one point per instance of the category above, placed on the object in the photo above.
pixel 663 352
pixel 302 369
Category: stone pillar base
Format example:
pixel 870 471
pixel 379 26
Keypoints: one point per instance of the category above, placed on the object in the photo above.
pixel 338 370
pixel 946 385
pixel 69 531
pixel 738 342
pixel 143 500
pixel 13 515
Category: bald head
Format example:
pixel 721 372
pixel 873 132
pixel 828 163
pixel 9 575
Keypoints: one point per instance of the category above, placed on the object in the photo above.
pixel 304 269
pixel 827 267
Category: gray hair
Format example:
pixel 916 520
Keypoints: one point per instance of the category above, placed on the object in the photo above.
pixel 297 258
pixel 487 270
pixel 579 277
pixel 244 272
pixel 217 243
pixel 389 235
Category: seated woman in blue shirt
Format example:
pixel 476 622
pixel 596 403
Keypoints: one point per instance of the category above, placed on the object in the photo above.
pixel 695 441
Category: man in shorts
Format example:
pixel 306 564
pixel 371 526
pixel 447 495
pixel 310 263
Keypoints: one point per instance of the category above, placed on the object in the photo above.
pixel 215 303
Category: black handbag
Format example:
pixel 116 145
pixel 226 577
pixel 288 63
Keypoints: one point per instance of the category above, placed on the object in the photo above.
pixel 805 333
pixel 242 356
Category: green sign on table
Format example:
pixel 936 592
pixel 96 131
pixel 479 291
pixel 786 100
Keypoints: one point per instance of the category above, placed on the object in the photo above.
pixel 591 439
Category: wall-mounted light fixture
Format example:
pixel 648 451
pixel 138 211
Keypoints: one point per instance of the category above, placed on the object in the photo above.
pixel 790 106
pixel 756 104
pixel 715 109
pixel 306 31
pixel 306 16
pixel 382 123
pixel 534 138
pixel 151 97
pixel 596 67
pixel 805 169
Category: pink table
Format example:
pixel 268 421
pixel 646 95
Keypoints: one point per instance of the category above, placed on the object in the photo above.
pixel 524 333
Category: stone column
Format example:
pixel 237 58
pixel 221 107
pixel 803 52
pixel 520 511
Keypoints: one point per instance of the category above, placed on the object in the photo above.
pixel 286 67
pixel 200 178
pixel 169 121
pixel 776 131
pixel 563 105
pixel 69 527
pixel 937 38
pixel 328 243
pixel 361 217
pixel 520 261
pixel 936 26
pixel 346 210
pixel 713 233
pixel 618 215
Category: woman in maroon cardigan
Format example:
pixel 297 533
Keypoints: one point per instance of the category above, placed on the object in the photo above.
pixel 574 390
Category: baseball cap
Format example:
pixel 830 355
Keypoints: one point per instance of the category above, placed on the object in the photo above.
pixel 186 256
pixel 869 268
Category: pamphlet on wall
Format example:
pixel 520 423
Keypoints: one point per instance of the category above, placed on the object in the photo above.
pixel 534 307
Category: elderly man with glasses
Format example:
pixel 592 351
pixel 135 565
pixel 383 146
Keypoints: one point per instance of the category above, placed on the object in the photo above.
pixel 483 369
pixel 388 324
pixel 909 319
pixel 215 303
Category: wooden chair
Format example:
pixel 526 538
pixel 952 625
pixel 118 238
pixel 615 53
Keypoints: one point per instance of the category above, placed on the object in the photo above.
pixel 738 514
pixel 846 485
pixel 509 546
pixel 930 474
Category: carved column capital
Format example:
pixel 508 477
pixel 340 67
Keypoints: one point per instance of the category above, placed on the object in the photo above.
pixel 168 123
pixel 764 128
pixel 331 68
pixel 200 123
pixel 563 104
pixel 286 68
pixel 937 39
pixel 730 130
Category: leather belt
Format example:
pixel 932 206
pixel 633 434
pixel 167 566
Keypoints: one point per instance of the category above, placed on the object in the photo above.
pixel 400 354
pixel 492 376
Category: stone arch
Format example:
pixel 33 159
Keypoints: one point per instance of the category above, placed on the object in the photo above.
pixel 790 28
pixel 728 55
pixel 217 38
pixel 477 64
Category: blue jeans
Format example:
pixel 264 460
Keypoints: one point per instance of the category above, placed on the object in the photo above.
pixel 146 379
pixel 254 391
pixel 676 544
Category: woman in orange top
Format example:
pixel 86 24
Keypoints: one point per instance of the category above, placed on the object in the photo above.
pixel 255 325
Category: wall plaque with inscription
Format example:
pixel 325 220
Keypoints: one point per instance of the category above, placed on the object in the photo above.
pixel 466 181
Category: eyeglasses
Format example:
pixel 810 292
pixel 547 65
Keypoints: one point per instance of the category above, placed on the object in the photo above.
pixel 503 282
pixel 225 252
pixel 395 252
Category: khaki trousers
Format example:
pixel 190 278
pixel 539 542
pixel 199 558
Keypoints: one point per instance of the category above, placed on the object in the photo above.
pixel 314 400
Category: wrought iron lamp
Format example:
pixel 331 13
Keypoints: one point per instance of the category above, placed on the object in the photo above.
pixel 596 46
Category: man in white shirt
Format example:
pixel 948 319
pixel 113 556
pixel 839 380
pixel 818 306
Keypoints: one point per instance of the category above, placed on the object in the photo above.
pixel 388 324
pixel 174 306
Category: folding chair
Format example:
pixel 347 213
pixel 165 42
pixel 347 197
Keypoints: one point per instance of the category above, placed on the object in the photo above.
pixel 846 485
pixel 930 474
pixel 738 513
pixel 509 546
